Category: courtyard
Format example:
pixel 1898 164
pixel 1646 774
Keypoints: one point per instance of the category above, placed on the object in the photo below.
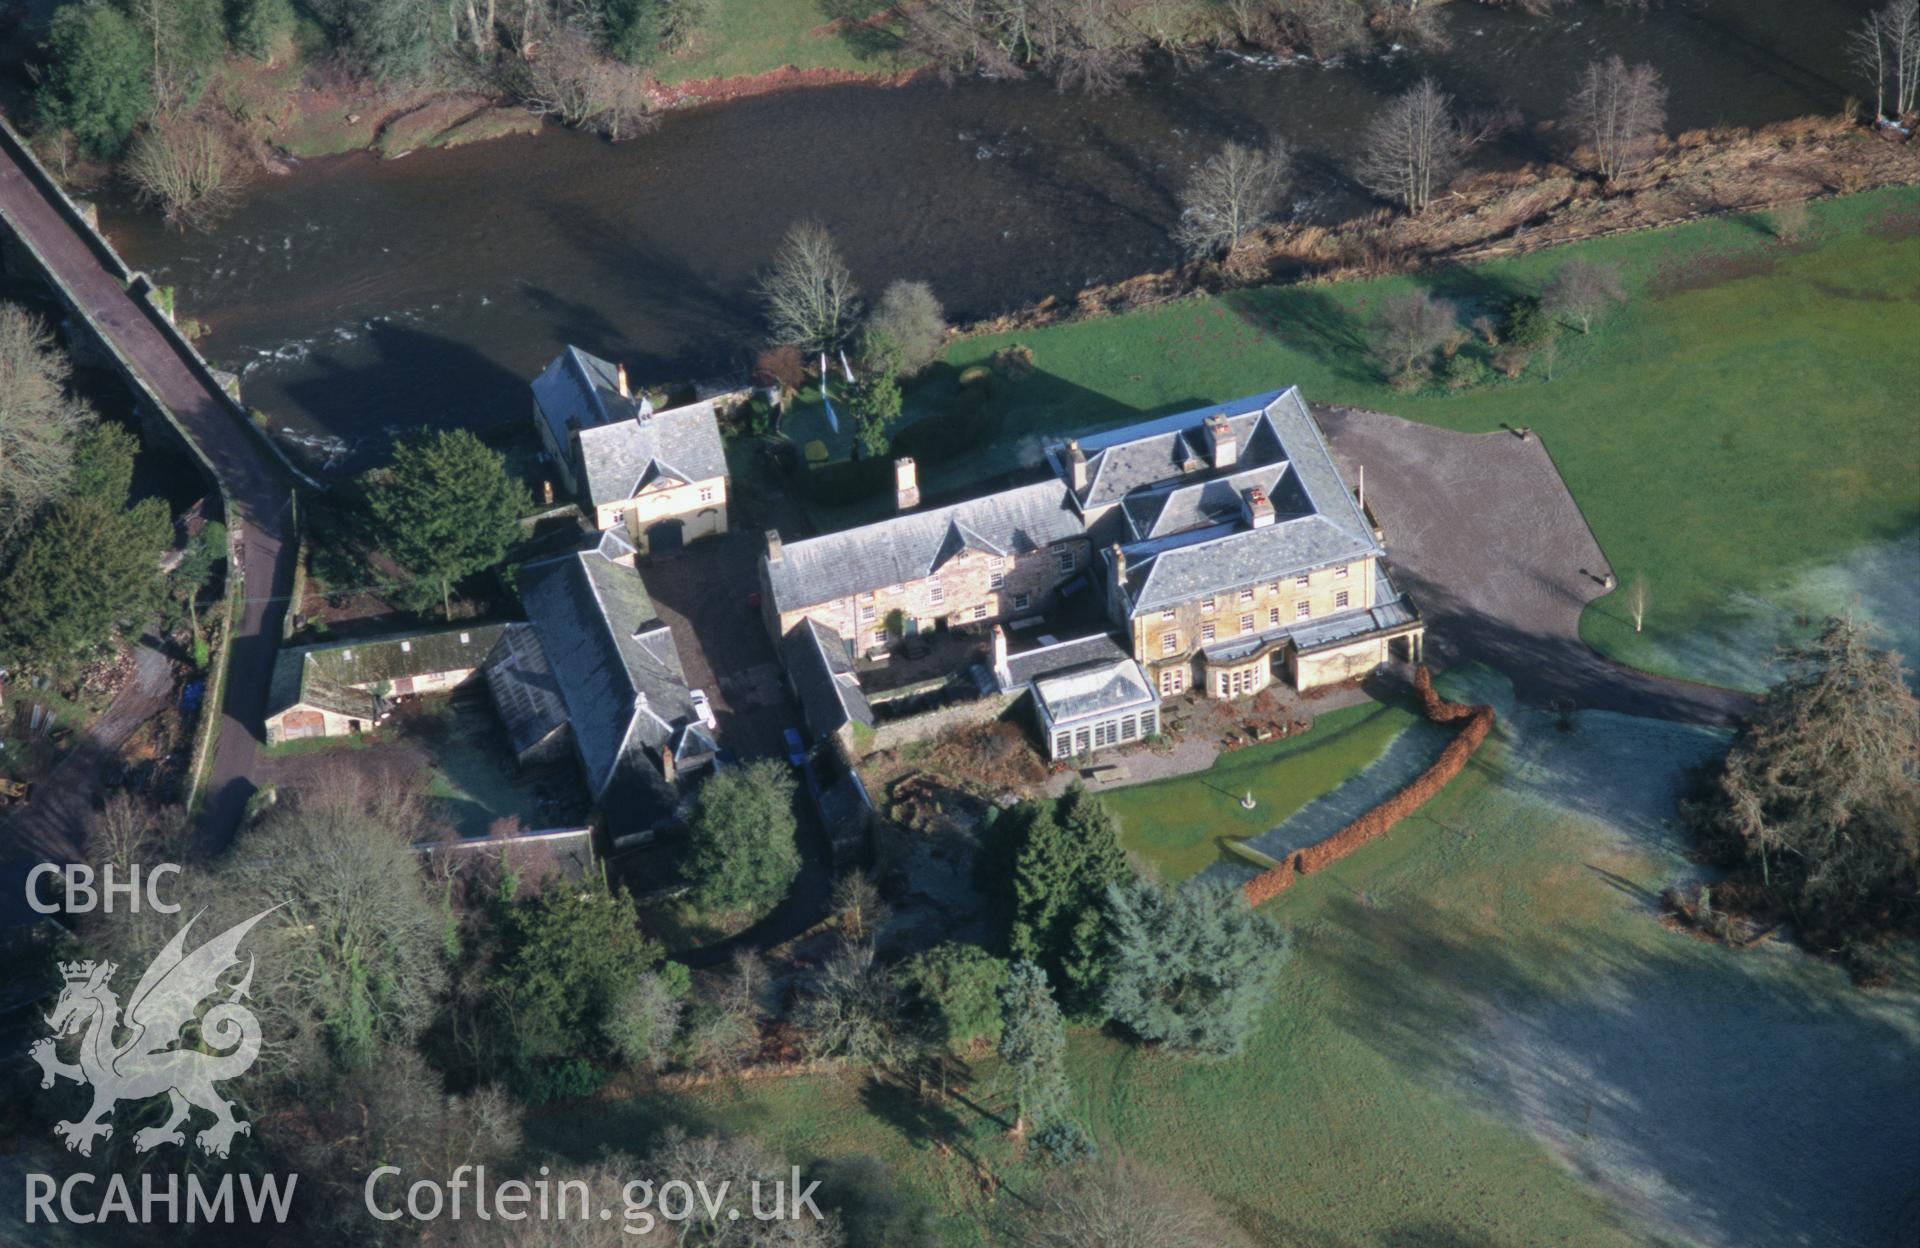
pixel 452 749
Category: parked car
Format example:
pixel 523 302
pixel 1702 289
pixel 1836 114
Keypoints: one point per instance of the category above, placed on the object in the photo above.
pixel 796 748
pixel 702 707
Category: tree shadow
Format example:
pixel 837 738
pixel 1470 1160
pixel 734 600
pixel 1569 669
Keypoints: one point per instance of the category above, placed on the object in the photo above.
pixel 412 379
pixel 1311 321
pixel 865 27
pixel 1699 1091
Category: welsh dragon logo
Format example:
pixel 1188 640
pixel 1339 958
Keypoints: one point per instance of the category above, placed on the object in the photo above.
pixel 148 1060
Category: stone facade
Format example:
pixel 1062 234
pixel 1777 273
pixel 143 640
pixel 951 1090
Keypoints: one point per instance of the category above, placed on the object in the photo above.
pixel 1167 642
pixel 972 589
pixel 698 509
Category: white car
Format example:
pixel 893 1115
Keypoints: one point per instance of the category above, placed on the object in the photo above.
pixel 702 707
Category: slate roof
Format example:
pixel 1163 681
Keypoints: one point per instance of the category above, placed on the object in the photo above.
pixel 679 446
pixel 581 391
pixel 1158 513
pixel 524 689
pixel 909 547
pixel 1156 452
pixel 821 666
pixel 1061 656
pixel 334 676
pixel 1092 692
pixel 624 443
pixel 1317 521
pixel 612 657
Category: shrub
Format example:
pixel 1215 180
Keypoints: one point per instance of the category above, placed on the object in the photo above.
pixel 563 1080
pixel 977 375
pixel 1528 325
pixel 1512 362
pixel 1066 1142
pixel 1465 372
pixel 816 452
pixel 953 995
pixel 1014 362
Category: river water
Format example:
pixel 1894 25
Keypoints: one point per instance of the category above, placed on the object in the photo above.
pixel 358 296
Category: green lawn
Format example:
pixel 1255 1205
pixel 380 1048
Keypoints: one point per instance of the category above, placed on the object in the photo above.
pixel 1180 826
pixel 756 36
pixel 1745 422
pixel 1480 1010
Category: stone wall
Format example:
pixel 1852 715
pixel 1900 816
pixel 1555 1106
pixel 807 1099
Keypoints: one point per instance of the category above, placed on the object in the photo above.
pixel 901 732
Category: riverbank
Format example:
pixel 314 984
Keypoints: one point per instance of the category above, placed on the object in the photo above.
pixel 1699 174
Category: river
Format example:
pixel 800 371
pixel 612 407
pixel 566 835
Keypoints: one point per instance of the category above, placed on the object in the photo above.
pixel 357 296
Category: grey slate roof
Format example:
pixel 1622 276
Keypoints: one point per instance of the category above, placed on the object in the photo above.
pixel 581 391
pixel 1092 692
pixel 681 445
pixel 821 666
pixel 1155 452
pixel 524 689
pixel 335 675
pixel 909 547
pixel 1163 575
pixel 1061 656
pixel 624 443
pixel 1158 513
pixel 612 657
pixel 1325 524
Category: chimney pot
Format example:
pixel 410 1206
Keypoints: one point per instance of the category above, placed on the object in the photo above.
pixel 906 484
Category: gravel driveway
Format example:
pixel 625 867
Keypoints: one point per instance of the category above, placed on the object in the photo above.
pixel 1482 533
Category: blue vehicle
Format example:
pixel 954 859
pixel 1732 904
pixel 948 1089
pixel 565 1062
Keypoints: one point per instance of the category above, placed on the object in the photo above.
pixel 796 748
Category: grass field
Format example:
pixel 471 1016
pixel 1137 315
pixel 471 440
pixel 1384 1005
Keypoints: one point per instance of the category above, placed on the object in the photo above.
pixel 1484 1039
pixel 1744 426
pixel 1179 825
pixel 757 36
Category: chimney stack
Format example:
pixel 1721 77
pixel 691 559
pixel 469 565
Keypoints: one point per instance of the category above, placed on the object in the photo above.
pixel 1076 465
pixel 1000 654
pixel 906 484
pixel 1118 558
pixel 773 546
pixel 621 375
pixel 1226 445
pixel 1257 507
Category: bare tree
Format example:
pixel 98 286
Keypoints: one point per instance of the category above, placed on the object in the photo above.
pixel 569 78
pixel 723 1027
pixel 1619 111
pixel 1413 147
pixel 39 418
pixel 1408 328
pixel 910 317
pixel 350 967
pixel 1582 291
pixel 1885 47
pixel 1119 1204
pixel 858 905
pixel 187 167
pixel 811 300
pixel 1234 190
pixel 850 1009
pixel 1638 596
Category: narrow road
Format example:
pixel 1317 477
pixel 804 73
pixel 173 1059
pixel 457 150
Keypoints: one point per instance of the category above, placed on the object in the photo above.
pixel 257 488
